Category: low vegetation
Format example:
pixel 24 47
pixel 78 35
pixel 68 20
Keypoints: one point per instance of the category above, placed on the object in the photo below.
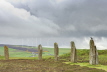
pixel 32 64
pixel 83 56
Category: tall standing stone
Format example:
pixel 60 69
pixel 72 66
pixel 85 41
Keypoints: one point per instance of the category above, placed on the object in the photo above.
pixel 93 54
pixel 6 53
pixel 40 52
pixel 96 52
pixel 56 51
pixel 73 53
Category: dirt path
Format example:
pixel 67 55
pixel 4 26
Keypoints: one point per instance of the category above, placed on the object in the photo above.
pixel 49 65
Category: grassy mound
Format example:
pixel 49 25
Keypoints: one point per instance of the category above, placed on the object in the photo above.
pixel 83 56
pixel 83 59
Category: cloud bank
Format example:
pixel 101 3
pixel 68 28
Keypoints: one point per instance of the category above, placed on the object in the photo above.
pixel 17 22
pixel 66 19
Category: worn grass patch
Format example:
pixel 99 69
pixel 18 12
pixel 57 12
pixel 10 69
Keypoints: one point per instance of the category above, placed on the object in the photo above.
pixel 103 67
pixel 33 58
pixel 32 64
pixel 45 65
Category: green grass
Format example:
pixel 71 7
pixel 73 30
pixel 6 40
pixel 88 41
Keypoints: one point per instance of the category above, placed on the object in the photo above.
pixel 88 65
pixel 19 53
pixel 33 58
pixel 51 51
pixel 83 59
pixel 82 55
pixel 24 46
pixel 1 57
pixel 15 53
pixel 64 53
pixel 2 50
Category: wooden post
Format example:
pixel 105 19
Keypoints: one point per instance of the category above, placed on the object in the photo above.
pixel 6 53
pixel 73 53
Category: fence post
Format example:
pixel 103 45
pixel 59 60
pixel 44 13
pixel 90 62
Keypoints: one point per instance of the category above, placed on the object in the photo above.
pixel 73 52
pixel 6 53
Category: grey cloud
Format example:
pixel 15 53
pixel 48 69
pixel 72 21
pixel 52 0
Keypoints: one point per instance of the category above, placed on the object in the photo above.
pixel 52 19
pixel 19 23
pixel 83 15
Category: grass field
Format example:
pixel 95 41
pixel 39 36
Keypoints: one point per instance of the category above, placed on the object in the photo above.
pixel 15 53
pixel 31 64
pixel 46 52
pixel 99 66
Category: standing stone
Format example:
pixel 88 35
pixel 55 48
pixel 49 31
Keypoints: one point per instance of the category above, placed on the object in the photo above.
pixel 93 55
pixel 40 52
pixel 96 52
pixel 56 51
pixel 6 53
pixel 73 53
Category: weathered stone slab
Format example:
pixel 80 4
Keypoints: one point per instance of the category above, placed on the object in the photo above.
pixel 93 54
pixel 56 51
pixel 6 53
pixel 40 52
pixel 73 53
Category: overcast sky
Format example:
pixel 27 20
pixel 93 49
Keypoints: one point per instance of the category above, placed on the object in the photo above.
pixel 33 22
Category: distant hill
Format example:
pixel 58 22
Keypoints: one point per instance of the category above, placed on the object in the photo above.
pixel 19 47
